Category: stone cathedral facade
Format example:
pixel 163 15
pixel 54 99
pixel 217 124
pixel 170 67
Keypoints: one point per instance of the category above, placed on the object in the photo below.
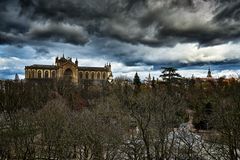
pixel 65 68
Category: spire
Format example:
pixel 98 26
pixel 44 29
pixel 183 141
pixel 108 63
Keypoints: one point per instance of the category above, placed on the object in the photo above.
pixel 149 77
pixel 56 59
pixel 108 66
pixel 192 76
pixel 209 75
pixel 16 77
pixel 63 54
pixel 76 61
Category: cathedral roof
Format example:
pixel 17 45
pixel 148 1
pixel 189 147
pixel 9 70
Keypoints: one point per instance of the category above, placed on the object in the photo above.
pixel 92 69
pixel 40 66
pixel 63 59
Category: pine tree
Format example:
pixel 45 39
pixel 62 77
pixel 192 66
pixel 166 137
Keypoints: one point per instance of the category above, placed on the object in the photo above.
pixel 136 80
pixel 169 74
pixel 153 83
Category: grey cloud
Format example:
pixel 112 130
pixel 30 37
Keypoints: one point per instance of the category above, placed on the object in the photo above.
pixel 11 21
pixel 229 12
pixel 134 33
pixel 9 73
pixel 9 38
pixel 16 27
pixel 122 27
pixel 150 22
pixel 84 9
pixel 60 32
pixel 42 51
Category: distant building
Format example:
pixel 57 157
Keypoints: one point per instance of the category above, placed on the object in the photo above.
pixel 209 75
pixel 216 81
pixel 64 68
pixel 16 79
pixel 148 80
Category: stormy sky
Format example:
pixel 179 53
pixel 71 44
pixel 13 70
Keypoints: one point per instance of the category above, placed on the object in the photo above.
pixel 134 35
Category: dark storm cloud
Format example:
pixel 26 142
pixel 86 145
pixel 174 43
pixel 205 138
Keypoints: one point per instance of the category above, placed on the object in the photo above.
pixel 134 33
pixel 9 38
pixel 150 22
pixel 18 28
pixel 228 62
pixel 84 9
pixel 59 32
pixel 233 63
pixel 229 12
pixel 11 21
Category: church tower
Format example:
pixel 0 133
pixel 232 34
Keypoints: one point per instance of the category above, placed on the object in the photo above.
pixel 209 75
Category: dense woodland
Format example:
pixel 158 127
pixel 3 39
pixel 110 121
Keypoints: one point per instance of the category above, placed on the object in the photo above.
pixel 121 120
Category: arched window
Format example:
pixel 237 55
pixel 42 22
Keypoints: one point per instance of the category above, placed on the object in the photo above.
pixel 29 74
pixel 98 75
pixel 104 75
pixel 92 75
pixel 80 75
pixel 53 74
pixel 46 74
pixel 68 74
pixel 39 74
pixel 32 75
pixel 87 75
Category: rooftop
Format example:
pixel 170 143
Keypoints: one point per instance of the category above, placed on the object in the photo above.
pixel 40 66
pixel 92 68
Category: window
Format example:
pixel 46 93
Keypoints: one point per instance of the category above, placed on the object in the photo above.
pixel 53 74
pixel 87 75
pixel 68 74
pixel 39 74
pixel 92 75
pixel 80 75
pixel 29 74
pixel 104 75
pixel 32 75
pixel 98 75
pixel 46 74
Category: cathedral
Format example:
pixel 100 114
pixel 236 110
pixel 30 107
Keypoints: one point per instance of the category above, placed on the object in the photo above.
pixel 66 69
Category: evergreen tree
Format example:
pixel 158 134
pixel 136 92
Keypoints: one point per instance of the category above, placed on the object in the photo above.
pixel 136 80
pixel 153 83
pixel 169 74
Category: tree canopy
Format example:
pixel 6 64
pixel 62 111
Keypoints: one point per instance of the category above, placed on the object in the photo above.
pixel 169 74
pixel 136 80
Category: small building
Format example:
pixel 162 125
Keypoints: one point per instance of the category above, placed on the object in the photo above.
pixel 66 69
